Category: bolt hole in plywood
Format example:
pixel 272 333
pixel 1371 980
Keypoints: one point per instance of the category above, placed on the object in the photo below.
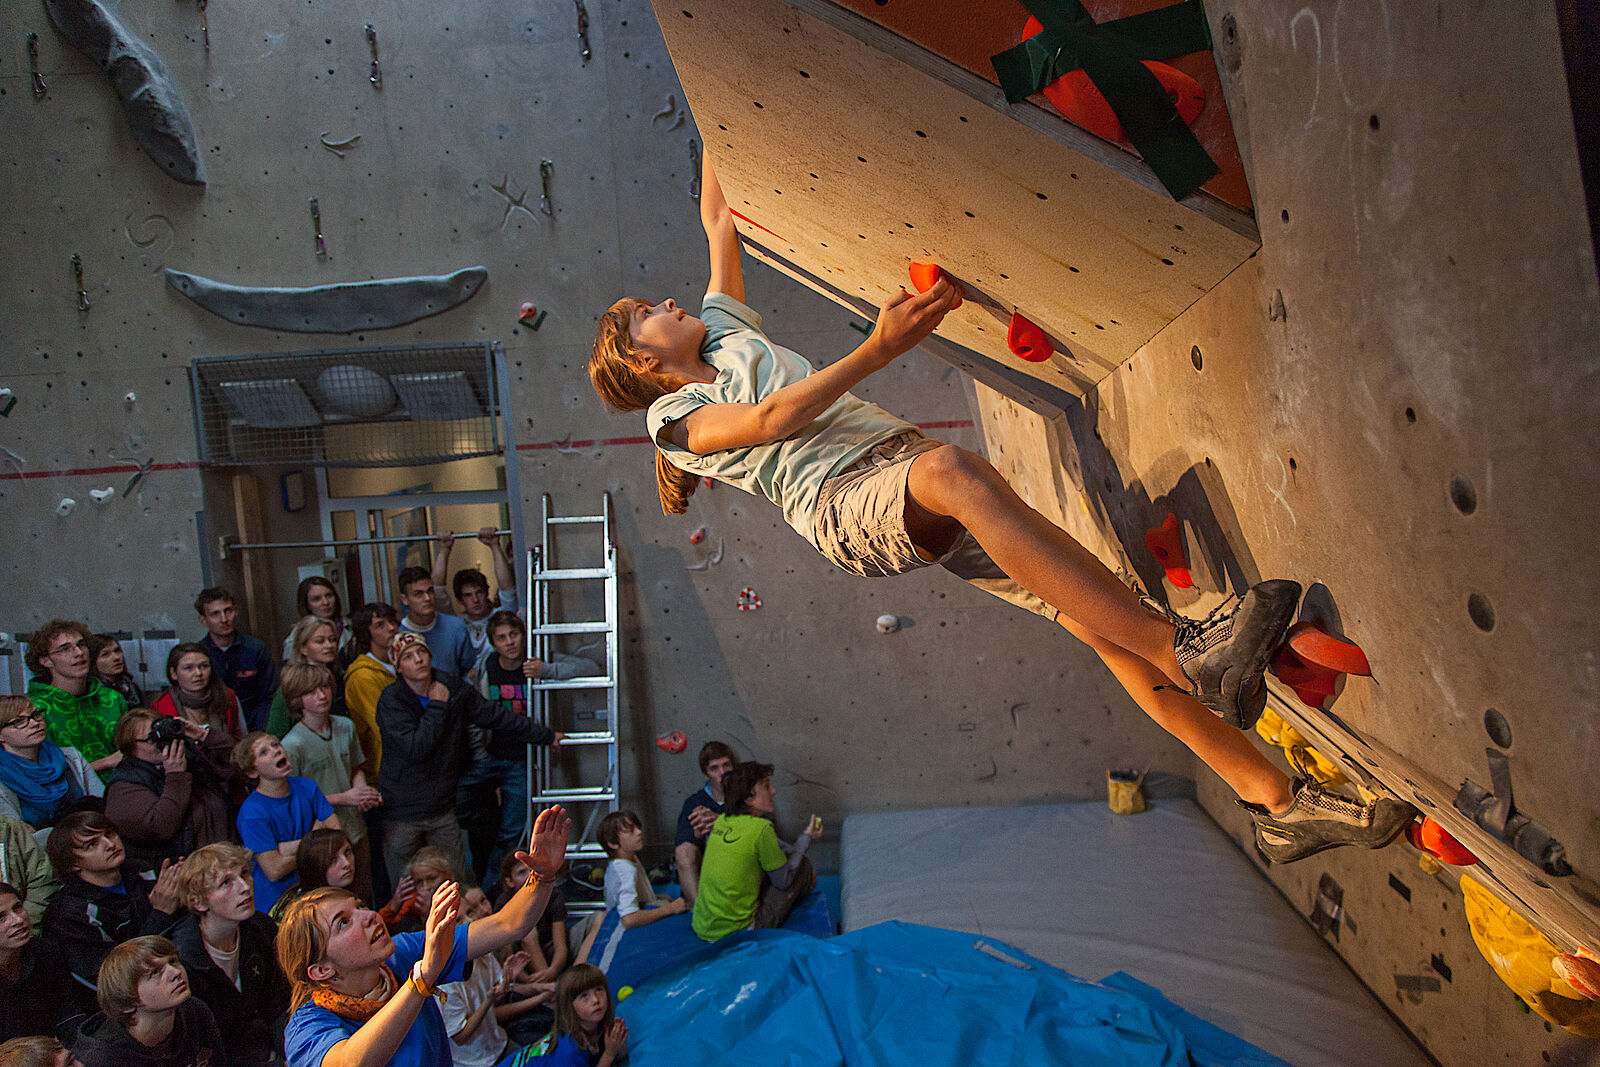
pixel 1077 225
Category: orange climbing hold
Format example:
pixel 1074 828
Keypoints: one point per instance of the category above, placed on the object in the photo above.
pixel 1312 659
pixel 1027 341
pixel 673 743
pixel 1428 836
pixel 925 275
pixel 1076 97
pixel 1165 543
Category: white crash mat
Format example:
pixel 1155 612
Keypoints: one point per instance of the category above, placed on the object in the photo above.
pixel 1164 895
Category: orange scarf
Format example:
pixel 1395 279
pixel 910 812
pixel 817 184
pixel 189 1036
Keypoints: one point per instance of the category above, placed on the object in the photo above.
pixel 356 1009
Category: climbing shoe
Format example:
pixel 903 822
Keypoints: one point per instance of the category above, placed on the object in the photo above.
pixel 1225 654
pixel 1319 820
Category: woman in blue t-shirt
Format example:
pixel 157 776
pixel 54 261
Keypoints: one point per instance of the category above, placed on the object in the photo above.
pixel 362 998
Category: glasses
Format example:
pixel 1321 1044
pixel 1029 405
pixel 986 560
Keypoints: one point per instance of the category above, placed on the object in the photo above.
pixel 27 720
pixel 65 650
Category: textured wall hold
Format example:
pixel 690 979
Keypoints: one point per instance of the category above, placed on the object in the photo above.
pixel 343 308
pixel 155 110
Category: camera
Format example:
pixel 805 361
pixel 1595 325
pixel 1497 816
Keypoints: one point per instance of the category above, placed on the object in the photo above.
pixel 165 730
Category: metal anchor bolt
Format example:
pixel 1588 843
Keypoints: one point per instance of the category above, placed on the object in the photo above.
pixel 316 224
pixel 376 77
pixel 77 273
pixel 545 169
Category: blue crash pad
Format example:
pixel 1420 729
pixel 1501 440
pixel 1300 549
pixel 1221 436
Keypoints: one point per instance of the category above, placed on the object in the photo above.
pixel 630 957
pixel 901 995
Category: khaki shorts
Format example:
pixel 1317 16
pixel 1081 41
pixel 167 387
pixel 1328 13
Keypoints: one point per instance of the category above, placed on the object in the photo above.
pixel 860 525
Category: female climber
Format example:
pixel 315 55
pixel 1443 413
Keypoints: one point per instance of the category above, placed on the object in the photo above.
pixel 876 498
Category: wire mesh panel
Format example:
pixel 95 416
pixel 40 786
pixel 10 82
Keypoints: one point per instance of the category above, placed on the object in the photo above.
pixel 359 407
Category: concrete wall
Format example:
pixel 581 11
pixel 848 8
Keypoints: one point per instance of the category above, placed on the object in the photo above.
pixel 971 702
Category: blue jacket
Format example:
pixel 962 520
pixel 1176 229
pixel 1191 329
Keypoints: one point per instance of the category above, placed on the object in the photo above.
pixel 246 666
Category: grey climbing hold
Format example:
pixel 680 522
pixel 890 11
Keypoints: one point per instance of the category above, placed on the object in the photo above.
pixel 343 308
pixel 150 98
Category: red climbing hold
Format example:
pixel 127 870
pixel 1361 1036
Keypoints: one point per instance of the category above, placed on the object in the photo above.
pixel 673 743
pixel 1165 543
pixel 924 275
pixel 1428 836
pixel 1311 661
pixel 1076 97
pixel 1027 341
pixel 698 535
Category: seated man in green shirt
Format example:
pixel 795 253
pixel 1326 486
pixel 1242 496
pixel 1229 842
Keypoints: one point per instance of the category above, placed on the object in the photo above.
pixel 750 879
pixel 79 711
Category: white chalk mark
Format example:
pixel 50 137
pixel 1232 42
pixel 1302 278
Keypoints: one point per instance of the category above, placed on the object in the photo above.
pixel 1283 483
pixel 1316 62
pixel 742 996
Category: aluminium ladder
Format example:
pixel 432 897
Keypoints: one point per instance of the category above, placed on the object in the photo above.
pixel 601 798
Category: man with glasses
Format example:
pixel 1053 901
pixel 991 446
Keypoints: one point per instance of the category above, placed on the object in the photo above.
pixel 79 711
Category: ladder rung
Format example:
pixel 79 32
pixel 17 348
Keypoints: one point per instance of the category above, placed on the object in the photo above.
pixel 583 793
pixel 573 573
pixel 573 520
pixel 601 737
pixel 575 683
pixel 553 628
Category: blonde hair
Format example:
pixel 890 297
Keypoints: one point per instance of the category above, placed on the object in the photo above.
pixel 197 874
pixel 13 708
pixel 302 941
pixel 124 967
pixel 300 680
pixel 429 858
pixel 243 756
pixel 622 385
pixel 303 630
pixel 31 1052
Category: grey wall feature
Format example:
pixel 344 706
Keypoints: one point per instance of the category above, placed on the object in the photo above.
pixel 342 308
pixel 155 109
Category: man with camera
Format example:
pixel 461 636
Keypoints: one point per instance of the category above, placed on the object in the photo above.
pixel 165 797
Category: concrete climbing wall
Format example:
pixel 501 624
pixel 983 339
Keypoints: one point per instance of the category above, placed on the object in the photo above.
pixel 445 175
pixel 1389 400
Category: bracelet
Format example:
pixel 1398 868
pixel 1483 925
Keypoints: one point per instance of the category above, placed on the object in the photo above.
pixel 534 879
pixel 415 982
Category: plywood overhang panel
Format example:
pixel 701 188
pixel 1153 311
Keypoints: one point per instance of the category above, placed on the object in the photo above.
pixel 833 136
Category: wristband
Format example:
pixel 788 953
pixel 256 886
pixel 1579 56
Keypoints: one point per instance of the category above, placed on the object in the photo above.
pixel 416 982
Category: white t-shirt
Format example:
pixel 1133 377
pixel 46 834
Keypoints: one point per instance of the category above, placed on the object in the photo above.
pixel 750 368
pixel 627 888
pixel 488 1041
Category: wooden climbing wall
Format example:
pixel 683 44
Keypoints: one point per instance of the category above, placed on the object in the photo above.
pixel 853 153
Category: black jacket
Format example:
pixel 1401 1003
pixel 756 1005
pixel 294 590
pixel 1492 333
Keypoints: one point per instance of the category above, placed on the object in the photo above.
pixel 86 921
pixel 194 1042
pixel 425 751
pixel 250 1016
pixel 42 997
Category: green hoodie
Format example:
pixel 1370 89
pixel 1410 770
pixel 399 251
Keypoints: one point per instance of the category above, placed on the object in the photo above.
pixel 84 723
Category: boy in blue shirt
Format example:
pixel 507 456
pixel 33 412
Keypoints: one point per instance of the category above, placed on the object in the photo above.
pixel 273 819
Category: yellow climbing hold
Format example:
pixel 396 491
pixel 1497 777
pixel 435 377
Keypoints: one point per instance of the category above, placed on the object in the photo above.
pixel 1521 956
pixel 1307 760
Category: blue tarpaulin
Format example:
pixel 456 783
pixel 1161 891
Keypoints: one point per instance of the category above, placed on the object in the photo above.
pixel 907 996
pixel 630 957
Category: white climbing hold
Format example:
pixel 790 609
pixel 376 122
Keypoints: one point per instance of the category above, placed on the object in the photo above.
pixel 102 495
pixel 888 624
pixel 65 507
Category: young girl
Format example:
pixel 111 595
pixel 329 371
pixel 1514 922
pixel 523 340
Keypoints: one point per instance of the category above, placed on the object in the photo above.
pixel 35 985
pixel 878 498
pixel 317 596
pixel 587 1031
pixel 196 693
pixel 111 667
pixel 312 641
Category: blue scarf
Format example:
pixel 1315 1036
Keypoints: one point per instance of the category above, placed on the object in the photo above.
pixel 42 788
